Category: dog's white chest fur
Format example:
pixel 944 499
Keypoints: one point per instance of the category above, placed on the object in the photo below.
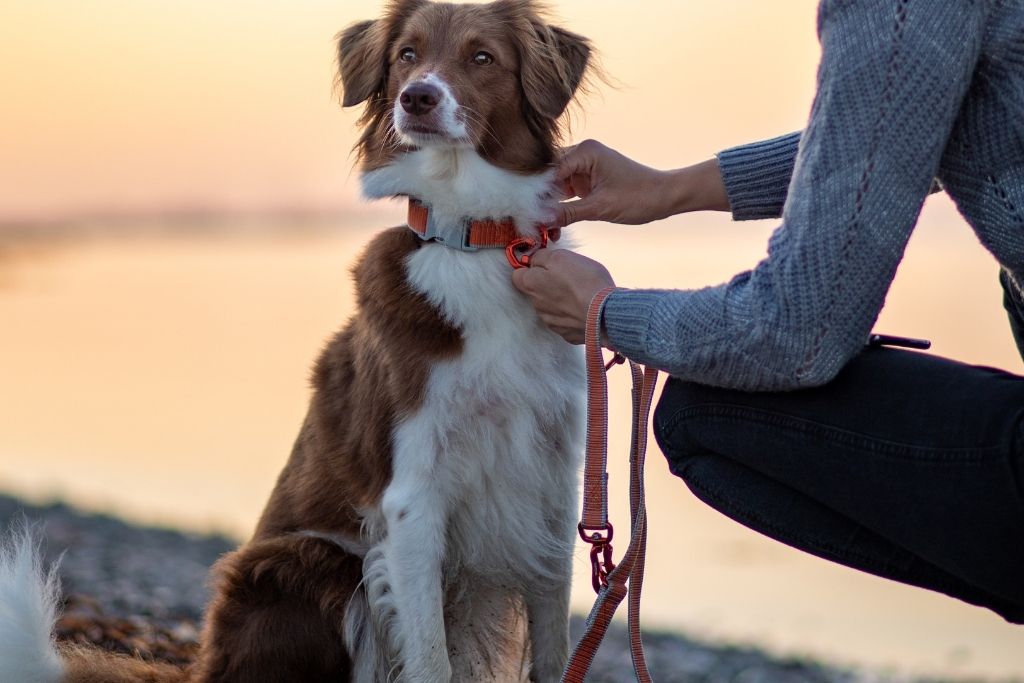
pixel 499 427
pixel 503 418
pixel 484 472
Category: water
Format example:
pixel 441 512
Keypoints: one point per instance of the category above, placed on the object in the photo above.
pixel 165 378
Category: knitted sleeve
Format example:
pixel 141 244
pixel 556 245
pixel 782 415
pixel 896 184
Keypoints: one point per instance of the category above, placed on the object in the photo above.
pixel 757 176
pixel 891 80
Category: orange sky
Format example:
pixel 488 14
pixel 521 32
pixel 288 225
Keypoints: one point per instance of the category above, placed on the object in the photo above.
pixel 140 105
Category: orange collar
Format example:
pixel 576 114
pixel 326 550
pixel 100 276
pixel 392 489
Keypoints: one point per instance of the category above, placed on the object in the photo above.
pixel 478 234
pixel 486 233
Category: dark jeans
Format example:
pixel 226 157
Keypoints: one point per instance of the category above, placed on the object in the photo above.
pixel 907 466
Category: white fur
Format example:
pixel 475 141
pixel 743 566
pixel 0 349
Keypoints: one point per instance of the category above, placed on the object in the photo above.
pixel 366 641
pixel 28 610
pixel 458 183
pixel 483 497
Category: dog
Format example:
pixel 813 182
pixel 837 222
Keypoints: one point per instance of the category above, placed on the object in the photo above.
pixel 422 529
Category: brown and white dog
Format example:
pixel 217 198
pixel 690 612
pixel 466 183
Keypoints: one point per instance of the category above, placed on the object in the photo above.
pixel 423 527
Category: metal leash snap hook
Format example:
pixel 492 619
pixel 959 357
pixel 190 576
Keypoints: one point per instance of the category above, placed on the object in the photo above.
pixel 519 252
pixel 601 564
pixel 617 359
pixel 601 567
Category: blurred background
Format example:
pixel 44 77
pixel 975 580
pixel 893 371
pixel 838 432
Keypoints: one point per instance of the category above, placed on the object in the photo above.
pixel 178 213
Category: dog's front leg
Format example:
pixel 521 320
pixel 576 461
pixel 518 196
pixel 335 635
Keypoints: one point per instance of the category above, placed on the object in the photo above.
pixel 547 610
pixel 416 516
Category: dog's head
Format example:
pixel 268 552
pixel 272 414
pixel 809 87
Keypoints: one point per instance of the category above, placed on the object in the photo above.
pixel 496 77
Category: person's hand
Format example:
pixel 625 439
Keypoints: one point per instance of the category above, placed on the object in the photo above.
pixel 561 284
pixel 612 187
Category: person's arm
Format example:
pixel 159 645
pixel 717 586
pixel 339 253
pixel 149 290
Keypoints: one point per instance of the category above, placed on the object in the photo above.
pixel 751 181
pixel 892 78
pixel 612 187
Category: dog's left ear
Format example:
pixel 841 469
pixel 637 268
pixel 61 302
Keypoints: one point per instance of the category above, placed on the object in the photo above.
pixel 362 61
pixel 553 66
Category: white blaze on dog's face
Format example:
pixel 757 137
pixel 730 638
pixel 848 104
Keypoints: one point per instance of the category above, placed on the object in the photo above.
pixel 427 112
pixel 495 77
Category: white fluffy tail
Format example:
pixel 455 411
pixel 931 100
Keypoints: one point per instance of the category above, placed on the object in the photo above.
pixel 28 610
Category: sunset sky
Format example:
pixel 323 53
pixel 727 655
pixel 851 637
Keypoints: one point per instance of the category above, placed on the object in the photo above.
pixel 142 105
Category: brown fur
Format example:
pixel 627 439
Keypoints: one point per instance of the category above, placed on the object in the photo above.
pixel 278 605
pixel 370 375
pixel 281 598
pixel 277 613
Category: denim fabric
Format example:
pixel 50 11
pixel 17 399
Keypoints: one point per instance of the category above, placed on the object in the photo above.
pixel 907 466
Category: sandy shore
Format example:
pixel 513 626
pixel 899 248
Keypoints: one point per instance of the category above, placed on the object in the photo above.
pixel 143 588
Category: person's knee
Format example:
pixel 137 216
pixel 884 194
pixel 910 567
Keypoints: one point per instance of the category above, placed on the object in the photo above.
pixel 674 421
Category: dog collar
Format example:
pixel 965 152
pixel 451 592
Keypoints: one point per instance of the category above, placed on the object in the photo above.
pixel 485 233
pixel 474 234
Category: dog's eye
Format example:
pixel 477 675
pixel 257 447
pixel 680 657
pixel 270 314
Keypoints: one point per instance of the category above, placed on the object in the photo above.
pixel 483 58
pixel 407 55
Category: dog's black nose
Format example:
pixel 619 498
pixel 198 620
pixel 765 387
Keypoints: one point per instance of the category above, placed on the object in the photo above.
pixel 420 98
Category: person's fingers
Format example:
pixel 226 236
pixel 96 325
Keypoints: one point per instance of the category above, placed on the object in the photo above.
pixel 530 280
pixel 539 261
pixel 567 213
pixel 563 152
pixel 576 160
pixel 578 185
pixel 569 165
pixel 521 278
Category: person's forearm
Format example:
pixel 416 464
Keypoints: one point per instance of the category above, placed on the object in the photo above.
pixel 697 188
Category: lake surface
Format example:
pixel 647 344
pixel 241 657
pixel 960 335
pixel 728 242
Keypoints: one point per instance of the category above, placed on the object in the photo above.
pixel 164 378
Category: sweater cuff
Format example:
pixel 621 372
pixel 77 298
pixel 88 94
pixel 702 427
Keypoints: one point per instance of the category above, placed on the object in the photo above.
pixel 757 176
pixel 627 316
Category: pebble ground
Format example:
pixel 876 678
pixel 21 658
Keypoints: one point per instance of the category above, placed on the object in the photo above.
pixel 142 590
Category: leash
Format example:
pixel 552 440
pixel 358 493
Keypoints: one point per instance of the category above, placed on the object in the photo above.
pixel 612 582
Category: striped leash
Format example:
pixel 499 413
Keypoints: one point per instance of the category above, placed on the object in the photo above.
pixel 612 582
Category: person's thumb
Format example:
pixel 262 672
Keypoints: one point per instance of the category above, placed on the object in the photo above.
pixel 520 276
pixel 567 213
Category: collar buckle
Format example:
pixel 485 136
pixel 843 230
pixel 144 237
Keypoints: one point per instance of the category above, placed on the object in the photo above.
pixel 433 233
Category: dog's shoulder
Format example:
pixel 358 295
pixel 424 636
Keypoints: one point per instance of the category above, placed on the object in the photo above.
pixel 391 311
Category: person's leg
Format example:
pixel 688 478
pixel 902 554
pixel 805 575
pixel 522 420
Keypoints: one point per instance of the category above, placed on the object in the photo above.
pixel 907 466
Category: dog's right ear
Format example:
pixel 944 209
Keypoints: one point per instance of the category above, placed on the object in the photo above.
pixel 362 61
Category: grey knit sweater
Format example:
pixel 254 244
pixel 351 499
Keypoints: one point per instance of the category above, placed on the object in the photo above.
pixel 908 91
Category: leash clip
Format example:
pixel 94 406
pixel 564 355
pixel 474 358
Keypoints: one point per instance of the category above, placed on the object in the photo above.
pixel 617 359
pixel 601 564
pixel 520 251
